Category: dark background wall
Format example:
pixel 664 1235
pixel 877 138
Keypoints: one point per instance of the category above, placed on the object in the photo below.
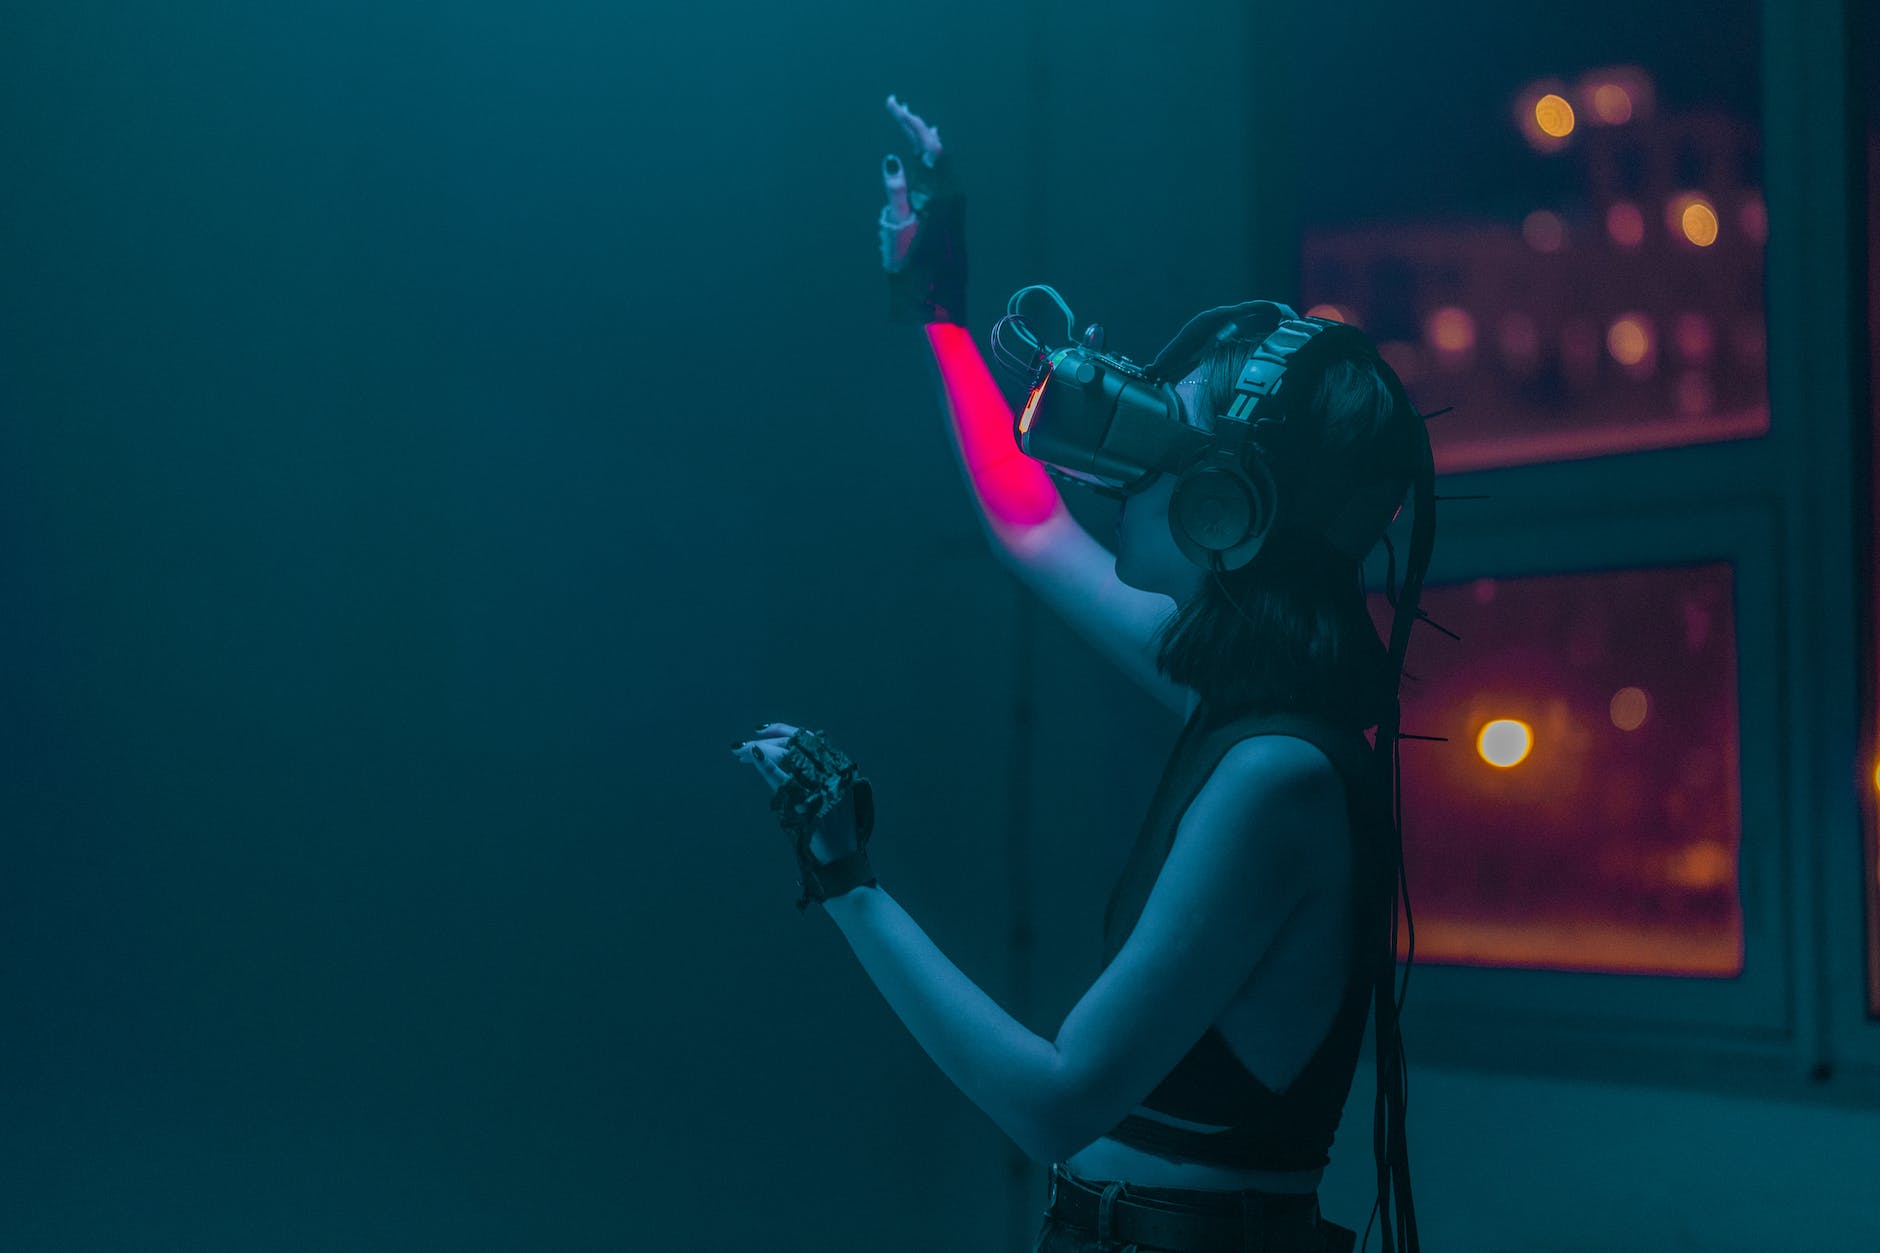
pixel 429 435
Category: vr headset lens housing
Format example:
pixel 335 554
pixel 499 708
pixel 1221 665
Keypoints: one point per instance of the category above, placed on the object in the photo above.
pixel 1097 421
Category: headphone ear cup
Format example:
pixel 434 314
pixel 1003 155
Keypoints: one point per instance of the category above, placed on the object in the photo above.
pixel 1221 513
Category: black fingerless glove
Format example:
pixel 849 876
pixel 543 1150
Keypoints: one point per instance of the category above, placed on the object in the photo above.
pixel 819 778
pixel 930 285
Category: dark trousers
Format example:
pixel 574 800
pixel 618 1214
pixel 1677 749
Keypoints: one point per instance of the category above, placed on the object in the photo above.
pixel 1104 1216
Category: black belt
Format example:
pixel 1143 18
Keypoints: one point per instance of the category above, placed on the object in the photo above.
pixel 1249 1221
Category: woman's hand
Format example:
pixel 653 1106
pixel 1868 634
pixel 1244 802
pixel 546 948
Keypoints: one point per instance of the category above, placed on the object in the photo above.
pixel 835 834
pixel 898 222
pixel 927 137
pixel 922 228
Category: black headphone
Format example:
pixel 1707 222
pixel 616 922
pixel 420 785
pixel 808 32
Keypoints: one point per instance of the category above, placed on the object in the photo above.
pixel 1227 506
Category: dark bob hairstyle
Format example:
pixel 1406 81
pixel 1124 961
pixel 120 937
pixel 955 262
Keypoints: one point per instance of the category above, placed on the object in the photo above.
pixel 1290 631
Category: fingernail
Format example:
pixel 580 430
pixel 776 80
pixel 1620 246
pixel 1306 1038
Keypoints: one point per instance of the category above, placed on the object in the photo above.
pixel 736 745
pixel 892 165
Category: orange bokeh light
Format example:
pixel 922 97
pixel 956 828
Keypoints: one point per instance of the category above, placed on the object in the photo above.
pixel 1629 339
pixel 1704 866
pixel 1693 217
pixel 1700 225
pixel 1554 115
pixel 1505 742
pixel 1450 329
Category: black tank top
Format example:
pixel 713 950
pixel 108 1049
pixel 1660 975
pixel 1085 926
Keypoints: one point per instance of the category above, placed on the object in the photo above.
pixel 1266 1130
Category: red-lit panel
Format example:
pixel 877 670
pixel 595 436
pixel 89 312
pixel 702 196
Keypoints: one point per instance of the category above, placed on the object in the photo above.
pixel 1595 287
pixel 1584 813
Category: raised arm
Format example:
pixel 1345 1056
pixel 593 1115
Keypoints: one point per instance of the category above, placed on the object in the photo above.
pixel 1032 531
pixel 922 232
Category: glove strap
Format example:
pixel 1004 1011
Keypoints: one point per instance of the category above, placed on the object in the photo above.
pixel 820 881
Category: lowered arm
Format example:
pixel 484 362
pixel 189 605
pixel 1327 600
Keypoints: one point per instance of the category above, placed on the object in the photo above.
pixel 1245 855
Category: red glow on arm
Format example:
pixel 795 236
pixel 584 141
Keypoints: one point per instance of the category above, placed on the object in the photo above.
pixel 1013 490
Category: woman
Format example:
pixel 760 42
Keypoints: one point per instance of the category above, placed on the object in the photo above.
pixel 1189 1100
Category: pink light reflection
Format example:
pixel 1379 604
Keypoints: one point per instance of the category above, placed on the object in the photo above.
pixel 1014 491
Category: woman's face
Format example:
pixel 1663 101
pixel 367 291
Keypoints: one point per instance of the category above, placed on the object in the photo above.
pixel 1146 555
